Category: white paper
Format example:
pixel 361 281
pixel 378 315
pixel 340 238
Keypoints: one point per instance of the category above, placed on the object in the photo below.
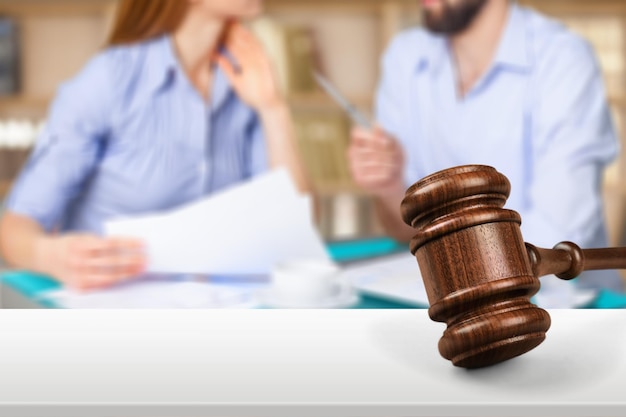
pixel 557 293
pixel 158 292
pixel 395 277
pixel 398 278
pixel 244 230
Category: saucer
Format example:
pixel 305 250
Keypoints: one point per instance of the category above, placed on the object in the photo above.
pixel 347 298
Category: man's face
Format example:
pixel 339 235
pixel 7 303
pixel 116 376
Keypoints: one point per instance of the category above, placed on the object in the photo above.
pixel 450 17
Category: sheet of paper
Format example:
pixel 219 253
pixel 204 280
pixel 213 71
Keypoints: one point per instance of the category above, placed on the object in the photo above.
pixel 557 293
pixel 244 230
pixel 161 292
pixel 395 277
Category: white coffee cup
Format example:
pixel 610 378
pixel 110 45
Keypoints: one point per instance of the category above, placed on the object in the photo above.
pixel 306 282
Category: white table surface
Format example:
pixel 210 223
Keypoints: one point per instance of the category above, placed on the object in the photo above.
pixel 296 363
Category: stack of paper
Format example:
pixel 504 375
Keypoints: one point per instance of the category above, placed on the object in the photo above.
pixel 160 291
pixel 244 230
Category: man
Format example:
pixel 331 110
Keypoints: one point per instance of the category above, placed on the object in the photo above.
pixel 492 83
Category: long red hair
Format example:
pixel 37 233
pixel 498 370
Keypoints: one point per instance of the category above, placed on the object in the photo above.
pixel 140 20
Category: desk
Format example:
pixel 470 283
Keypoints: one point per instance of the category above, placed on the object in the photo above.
pixel 296 363
pixel 22 289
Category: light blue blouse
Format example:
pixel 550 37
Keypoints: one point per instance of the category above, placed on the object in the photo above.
pixel 539 115
pixel 130 135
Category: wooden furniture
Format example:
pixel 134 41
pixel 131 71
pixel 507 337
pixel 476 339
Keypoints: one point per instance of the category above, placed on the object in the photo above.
pixel 478 273
pixel 310 363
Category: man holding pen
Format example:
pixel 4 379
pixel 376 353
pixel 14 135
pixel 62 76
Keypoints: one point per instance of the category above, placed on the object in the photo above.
pixel 490 82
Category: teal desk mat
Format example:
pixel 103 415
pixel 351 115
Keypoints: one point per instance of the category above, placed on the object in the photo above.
pixel 31 285
pixel 355 250
pixel 609 299
pixel 28 284
pixel 370 302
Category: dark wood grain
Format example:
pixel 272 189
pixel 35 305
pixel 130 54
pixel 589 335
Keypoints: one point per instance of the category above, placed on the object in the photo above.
pixel 478 272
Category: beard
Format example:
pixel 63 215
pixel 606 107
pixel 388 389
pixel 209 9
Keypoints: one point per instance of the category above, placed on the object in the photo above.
pixel 453 18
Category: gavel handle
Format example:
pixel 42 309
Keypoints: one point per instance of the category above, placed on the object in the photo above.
pixel 567 260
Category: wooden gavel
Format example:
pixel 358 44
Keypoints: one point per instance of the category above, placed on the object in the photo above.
pixel 478 272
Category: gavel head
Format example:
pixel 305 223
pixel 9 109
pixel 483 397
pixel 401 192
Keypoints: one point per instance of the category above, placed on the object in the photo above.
pixel 475 266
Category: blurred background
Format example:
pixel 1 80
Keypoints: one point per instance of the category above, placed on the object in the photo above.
pixel 43 42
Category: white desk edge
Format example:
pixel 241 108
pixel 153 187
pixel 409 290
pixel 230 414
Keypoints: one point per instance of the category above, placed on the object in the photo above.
pixel 296 363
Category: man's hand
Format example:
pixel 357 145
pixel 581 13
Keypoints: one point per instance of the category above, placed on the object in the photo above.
pixel 376 162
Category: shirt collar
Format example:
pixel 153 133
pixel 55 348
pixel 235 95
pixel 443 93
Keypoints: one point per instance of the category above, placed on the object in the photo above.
pixel 161 63
pixel 163 67
pixel 512 51
pixel 435 54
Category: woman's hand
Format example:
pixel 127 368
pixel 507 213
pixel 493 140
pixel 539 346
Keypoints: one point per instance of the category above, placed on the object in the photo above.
pixel 251 75
pixel 87 261
pixel 376 162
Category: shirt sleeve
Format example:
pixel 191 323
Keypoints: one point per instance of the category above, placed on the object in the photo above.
pixel 393 104
pixel 67 149
pixel 573 141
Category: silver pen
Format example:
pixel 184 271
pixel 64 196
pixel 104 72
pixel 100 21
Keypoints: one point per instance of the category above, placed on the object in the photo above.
pixel 356 116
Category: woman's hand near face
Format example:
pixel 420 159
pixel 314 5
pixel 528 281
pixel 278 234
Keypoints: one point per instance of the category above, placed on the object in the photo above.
pixel 86 261
pixel 251 75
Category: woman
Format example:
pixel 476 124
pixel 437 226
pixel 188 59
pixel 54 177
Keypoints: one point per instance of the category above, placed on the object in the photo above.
pixel 181 104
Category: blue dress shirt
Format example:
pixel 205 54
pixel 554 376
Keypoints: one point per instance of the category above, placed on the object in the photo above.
pixel 538 115
pixel 130 135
